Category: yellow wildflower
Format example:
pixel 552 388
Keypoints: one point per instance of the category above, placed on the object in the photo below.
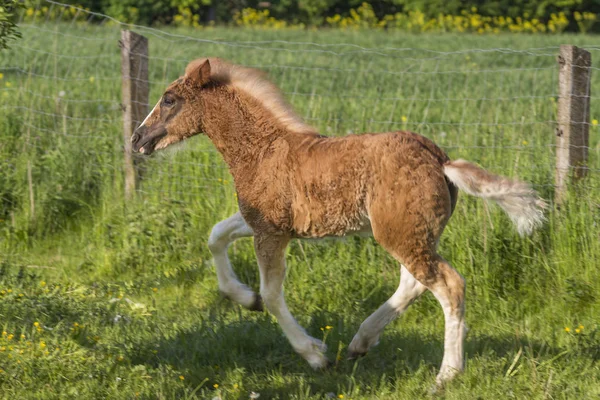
pixel 8 84
pixel 2 348
pixel 581 327
pixel 9 290
pixel 4 333
pixel 594 122
pixel 92 79
pixel 155 289
pixel 120 358
pixel 36 324
pixel 22 336
pixel 577 330
pixel 340 396
pixel 9 337
pixel 42 345
pixel 181 377
pixel 42 283
pixel 404 119
pixel 235 385
pixel 216 385
pixel 1 75
pixel 328 327
pixel 567 329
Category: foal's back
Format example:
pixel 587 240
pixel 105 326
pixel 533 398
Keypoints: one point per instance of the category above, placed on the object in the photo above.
pixel 344 185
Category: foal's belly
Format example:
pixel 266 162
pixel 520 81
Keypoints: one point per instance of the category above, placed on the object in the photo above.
pixel 361 228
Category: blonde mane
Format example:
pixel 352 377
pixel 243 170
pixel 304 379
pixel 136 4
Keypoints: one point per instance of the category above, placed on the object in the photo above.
pixel 254 83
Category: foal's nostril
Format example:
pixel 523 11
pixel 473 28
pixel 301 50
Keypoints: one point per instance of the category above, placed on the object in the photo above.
pixel 135 137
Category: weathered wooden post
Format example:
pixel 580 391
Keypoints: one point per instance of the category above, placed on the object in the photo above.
pixel 135 93
pixel 572 134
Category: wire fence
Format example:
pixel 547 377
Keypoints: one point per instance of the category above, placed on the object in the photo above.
pixel 497 106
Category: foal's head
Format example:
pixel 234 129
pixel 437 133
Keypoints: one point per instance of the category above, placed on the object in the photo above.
pixel 180 111
pixel 177 114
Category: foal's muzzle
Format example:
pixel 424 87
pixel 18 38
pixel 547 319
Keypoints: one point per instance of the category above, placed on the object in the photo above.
pixel 144 140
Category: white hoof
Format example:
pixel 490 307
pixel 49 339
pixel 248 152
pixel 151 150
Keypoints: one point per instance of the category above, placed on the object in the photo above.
pixel 360 346
pixel 314 353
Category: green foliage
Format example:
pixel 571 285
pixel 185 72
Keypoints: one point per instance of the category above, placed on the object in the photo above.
pixel 125 296
pixel 315 12
pixel 8 15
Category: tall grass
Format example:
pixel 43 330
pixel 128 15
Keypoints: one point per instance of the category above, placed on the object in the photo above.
pixel 76 251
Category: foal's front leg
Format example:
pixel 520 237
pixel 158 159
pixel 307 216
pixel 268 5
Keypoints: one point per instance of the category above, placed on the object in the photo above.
pixel 223 234
pixel 270 253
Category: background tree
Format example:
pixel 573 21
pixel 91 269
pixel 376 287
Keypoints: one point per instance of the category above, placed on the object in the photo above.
pixel 8 28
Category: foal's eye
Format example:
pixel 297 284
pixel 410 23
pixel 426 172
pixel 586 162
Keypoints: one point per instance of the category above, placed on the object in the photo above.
pixel 168 101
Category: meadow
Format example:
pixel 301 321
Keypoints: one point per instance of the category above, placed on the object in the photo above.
pixel 106 298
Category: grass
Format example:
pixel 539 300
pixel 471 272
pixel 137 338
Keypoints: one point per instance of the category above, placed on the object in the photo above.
pixel 100 298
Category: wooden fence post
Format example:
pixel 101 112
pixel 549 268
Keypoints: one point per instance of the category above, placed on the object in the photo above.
pixel 135 93
pixel 572 134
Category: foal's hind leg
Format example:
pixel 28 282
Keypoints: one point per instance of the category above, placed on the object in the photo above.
pixel 223 234
pixel 369 331
pixel 448 287
pixel 270 253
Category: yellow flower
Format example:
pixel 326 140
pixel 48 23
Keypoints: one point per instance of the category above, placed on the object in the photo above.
pixel 36 324
pixel 120 358
pixel 404 119
pixel 92 79
pixel 235 385
pixel 1 75
pixel 567 329
pixel 9 290
pixel 75 324
pixel 581 327
pixel 328 327
pixel 340 396
pixel 4 333
pixel 594 122
pixel 181 377
pixel 8 84
pixel 42 345
pixel 525 142
pixel 2 348
pixel 577 330
pixel 42 283
pixel 9 337
pixel 155 289
pixel 22 336
pixel 216 385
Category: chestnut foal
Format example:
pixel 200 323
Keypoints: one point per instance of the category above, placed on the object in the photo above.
pixel 294 183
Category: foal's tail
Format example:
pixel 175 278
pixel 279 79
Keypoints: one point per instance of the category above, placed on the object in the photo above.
pixel 517 199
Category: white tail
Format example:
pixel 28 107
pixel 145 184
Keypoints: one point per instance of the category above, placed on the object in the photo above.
pixel 517 199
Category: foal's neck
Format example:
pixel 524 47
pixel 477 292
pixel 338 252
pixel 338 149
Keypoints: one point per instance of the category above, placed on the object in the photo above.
pixel 241 128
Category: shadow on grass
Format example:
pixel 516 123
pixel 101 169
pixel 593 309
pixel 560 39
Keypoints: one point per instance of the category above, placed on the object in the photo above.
pixel 254 348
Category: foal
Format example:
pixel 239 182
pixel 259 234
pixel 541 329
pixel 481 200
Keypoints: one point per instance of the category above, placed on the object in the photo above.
pixel 294 183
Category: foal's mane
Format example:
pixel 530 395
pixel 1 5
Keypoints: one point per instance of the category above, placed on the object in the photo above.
pixel 256 84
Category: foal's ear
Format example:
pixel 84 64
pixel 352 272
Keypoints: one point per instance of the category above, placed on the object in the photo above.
pixel 198 71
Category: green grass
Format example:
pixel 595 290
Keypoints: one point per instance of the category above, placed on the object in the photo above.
pixel 137 277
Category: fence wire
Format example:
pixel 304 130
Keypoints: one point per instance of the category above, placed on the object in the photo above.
pixel 495 106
